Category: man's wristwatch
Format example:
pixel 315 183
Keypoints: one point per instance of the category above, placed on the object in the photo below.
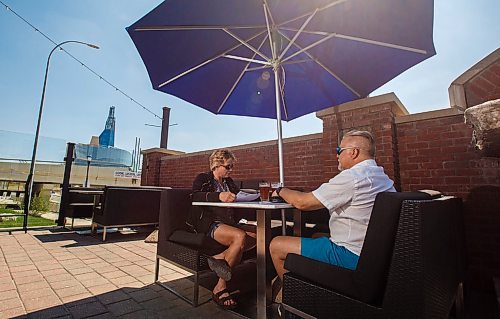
pixel 278 190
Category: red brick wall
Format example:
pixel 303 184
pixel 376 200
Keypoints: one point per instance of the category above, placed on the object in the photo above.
pixel 255 162
pixel 485 86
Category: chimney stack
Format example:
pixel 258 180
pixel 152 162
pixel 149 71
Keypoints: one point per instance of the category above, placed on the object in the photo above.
pixel 164 127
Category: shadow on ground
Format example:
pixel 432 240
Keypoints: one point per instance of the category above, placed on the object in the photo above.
pixel 83 237
pixel 151 301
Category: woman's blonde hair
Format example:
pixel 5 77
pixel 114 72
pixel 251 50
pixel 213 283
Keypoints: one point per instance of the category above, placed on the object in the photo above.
pixel 218 157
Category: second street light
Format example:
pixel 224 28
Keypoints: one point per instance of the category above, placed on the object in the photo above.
pixel 89 159
pixel 29 181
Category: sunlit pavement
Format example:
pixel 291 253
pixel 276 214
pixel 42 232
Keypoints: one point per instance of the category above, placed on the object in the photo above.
pixel 61 274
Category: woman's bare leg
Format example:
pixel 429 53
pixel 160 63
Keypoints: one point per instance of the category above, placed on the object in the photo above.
pixel 234 238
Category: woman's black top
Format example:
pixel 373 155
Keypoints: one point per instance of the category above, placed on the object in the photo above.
pixel 207 189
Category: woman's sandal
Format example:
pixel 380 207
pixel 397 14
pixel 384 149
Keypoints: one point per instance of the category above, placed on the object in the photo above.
pixel 220 301
pixel 220 267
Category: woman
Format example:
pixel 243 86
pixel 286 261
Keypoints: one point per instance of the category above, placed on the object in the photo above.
pixel 218 222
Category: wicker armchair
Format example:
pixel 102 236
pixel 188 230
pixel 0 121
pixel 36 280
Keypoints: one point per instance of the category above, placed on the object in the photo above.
pixel 176 245
pixel 409 267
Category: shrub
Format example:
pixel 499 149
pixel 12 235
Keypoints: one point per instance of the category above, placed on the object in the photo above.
pixel 38 205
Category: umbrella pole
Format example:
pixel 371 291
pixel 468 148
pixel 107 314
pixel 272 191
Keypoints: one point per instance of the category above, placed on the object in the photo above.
pixel 278 124
pixel 280 142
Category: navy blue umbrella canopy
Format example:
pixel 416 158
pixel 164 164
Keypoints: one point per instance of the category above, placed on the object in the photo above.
pixel 254 57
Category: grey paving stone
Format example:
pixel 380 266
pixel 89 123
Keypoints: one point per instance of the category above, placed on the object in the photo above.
pixel 52 312
pixel 124 307
pixel 87 310
pixel 113 297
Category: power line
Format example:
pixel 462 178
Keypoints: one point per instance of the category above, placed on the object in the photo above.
pixel 77 60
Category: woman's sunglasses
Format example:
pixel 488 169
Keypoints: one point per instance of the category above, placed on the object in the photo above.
pixel 228 167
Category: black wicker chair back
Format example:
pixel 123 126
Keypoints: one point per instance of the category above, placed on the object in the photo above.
pixel 402 268
pixel 370 276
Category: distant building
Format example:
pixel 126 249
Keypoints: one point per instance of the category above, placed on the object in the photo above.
pixel 107 137
pixel 101 152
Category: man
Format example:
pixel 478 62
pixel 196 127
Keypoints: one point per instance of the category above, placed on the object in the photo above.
pixel 349 198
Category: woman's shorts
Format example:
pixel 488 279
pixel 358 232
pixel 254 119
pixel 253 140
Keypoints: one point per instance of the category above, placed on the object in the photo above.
pixel 212 228
pixel 323 249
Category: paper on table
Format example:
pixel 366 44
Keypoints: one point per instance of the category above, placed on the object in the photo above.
pixel 246 197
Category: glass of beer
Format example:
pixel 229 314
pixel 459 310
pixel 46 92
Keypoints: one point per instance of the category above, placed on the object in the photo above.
pixel 274 186
pixel 264 189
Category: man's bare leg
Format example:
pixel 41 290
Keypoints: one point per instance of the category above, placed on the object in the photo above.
pixel 279 248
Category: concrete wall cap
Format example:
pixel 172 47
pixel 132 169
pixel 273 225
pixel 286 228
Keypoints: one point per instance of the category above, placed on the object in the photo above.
pixel 428 115
pixel 161 150
pixel 398 107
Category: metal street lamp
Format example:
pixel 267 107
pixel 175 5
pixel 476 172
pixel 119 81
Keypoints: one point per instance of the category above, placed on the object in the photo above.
pixel 89 159
pixel 29 181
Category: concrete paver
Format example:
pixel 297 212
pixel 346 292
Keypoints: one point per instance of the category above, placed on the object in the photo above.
pixel 59 274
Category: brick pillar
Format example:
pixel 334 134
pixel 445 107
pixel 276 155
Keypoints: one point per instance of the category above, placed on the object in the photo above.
pixel 374 114
pixel 151 165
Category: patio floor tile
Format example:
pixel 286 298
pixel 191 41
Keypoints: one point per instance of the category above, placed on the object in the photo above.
pixel 59 274
pixel 11 313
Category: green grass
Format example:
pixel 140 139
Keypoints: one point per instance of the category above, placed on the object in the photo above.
pixel 7 211
pixel 32 221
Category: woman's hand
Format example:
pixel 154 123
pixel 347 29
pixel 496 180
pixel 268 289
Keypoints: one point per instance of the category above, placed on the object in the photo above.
pixel 227 197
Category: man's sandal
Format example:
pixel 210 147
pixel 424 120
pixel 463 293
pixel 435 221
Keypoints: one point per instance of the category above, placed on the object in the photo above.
pixel 220 267
pixel 220 301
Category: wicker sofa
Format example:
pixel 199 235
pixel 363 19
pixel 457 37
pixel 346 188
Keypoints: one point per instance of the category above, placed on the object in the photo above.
pixel 409 267
pixel 127 206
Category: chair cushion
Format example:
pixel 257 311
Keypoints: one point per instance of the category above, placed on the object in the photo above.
pixel 197 241
pixel 326 275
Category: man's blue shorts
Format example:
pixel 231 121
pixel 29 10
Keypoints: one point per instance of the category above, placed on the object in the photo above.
pixel 323 249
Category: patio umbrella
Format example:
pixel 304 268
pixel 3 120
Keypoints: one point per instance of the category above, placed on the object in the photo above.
pixel 280 58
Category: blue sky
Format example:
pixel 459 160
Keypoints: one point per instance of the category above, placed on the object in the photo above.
pixel 77 101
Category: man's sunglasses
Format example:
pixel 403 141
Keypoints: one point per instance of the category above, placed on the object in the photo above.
pixel 341 149
pixel 228 167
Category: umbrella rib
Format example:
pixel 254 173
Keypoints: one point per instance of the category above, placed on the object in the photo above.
pixel 309 46
pixel 206 62
pixel 297 34
pixel 325 68
pixel 383 44
pixel 282 93
pixel 334 3
pixel 268 15
pixel 235 57
pixel 297 61
pixel 374 42
pixel 186 72
pixel 246 44
pixel 257 68
pixel 239 78
pixel 193 27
